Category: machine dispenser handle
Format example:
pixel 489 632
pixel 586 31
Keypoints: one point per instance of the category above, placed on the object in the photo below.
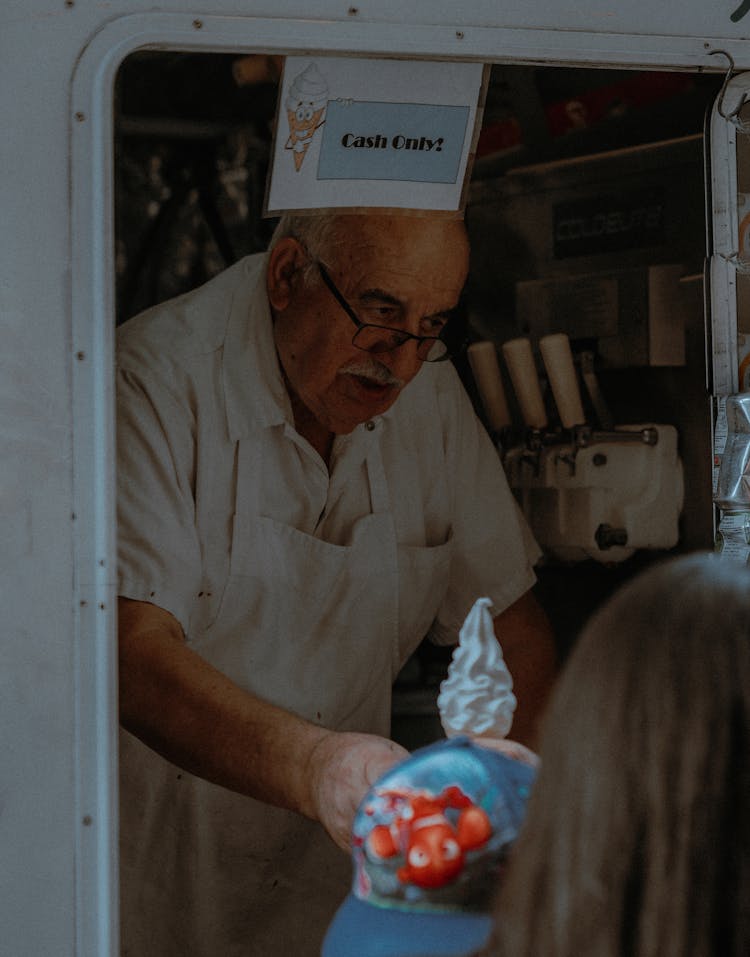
pixel 486 372
pixel 523 375
pixel 558 361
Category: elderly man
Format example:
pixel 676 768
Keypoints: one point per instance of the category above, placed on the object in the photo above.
pixel 304 494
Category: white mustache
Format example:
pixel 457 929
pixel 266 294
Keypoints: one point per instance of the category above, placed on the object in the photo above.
pixel 371 369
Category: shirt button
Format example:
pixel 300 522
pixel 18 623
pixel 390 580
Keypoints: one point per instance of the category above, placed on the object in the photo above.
pixel 370 425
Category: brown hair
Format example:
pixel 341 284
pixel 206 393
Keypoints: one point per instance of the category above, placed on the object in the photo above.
pixel 637 840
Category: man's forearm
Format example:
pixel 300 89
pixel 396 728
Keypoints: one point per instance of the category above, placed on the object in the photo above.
pixel 196 717
pixel 193 715
pixel 525 635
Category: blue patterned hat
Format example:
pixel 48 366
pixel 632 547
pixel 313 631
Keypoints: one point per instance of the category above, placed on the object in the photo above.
pixel 429 843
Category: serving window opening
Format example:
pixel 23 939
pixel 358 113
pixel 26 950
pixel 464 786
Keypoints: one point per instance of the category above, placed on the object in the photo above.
pixel 586 213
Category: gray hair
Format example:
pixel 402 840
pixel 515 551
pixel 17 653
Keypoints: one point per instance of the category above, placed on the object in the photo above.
pixel 316 232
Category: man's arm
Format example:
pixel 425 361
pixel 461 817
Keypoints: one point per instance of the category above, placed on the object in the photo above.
pixel 194 716
pixel 525 635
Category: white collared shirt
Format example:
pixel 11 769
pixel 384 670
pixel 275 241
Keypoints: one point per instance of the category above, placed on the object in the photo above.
pixel 200 372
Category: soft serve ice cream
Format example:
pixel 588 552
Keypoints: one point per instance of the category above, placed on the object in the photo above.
pixel 477 698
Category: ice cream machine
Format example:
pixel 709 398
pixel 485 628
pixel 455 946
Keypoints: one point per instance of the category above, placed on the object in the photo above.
pixel 588 357
pixel 612 341
pixel 596 491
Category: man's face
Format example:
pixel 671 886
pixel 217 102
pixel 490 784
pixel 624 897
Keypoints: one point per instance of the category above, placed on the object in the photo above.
pixel 404 272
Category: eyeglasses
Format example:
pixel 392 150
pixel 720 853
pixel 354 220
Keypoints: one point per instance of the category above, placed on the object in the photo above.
pixel 373 338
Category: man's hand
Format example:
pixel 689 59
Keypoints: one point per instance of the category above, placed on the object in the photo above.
pixel 343 766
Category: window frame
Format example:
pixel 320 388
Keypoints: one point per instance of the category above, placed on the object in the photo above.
pixel 92 323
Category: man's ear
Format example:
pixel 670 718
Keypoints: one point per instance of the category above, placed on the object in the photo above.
pixel 285 261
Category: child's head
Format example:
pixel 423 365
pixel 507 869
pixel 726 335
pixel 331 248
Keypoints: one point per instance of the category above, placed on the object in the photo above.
pixel 429 842
pixel 637 840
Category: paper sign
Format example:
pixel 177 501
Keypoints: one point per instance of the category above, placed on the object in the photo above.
pixel 364 133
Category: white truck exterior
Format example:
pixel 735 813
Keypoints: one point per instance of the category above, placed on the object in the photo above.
pixel 58 61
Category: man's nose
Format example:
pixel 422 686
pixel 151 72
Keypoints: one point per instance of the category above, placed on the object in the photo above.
pixel 404 361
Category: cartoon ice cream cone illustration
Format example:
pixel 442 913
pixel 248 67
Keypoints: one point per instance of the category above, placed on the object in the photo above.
pixel 305 109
